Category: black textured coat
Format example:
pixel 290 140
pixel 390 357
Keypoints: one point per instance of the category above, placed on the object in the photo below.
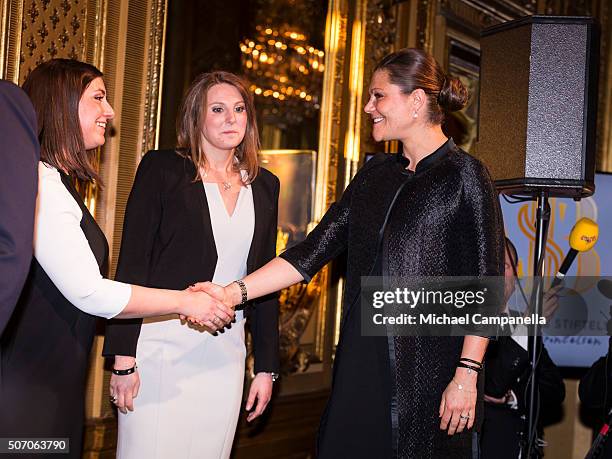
pixel 442 220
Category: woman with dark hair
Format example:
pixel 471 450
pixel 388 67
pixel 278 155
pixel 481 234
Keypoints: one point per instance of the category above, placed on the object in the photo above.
pixel 45 347
pixel 430 210
pixel 205 210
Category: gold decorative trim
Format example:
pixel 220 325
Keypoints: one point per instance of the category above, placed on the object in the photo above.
pixel 352 144
pixel 155 61
pixel 331 100
pixel 95 41
pixel 11 31
pixel 329 146
pixel 426 14
pixel 380 38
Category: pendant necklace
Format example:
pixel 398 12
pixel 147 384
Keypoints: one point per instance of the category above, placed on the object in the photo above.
pixel 226 185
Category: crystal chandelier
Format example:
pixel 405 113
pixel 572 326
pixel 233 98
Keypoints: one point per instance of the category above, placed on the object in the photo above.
pixel 285 72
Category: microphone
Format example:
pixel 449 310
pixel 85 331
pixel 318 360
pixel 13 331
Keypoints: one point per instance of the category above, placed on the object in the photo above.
pixel 583 237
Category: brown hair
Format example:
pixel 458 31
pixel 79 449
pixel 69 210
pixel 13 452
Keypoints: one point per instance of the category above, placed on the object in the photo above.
pixel 55 88
pixel 191 117
pixel 412 68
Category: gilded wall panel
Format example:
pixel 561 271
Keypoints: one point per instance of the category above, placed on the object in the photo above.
pixel 52 29
pixel 33 31
pixel 154 66
pixel 10 38
pixel 330 152
pixel 380 39
pixel 315 305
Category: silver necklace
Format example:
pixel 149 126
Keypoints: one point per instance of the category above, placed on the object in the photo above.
pixel 226 185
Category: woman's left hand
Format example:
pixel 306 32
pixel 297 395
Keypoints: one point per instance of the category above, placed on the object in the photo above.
pixel 261 390
pixel 458 405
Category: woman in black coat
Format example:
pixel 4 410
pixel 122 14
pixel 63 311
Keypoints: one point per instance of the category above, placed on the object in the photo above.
pixel 429 211
pixel 205 211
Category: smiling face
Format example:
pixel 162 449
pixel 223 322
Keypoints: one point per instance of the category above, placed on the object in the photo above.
pixel 392 111
pixel 94 113
pixel 225 119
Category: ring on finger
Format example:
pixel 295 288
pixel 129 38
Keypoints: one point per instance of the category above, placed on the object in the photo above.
pixel 464 417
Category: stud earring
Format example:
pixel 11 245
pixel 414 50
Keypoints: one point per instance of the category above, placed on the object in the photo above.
pixel 414 115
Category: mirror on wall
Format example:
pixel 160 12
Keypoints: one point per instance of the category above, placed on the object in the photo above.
pixel 278 45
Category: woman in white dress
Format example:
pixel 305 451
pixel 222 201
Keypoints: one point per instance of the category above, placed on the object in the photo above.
pixel 205 210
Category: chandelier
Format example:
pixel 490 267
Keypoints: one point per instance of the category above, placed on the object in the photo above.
pixel 285 72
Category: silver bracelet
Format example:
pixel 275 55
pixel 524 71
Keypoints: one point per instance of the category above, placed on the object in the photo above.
pixel 243 291
pixel 275 376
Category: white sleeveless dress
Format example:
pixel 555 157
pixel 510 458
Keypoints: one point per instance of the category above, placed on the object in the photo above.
pixel 191 381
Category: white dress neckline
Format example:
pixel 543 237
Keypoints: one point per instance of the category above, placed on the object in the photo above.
pixel 210 185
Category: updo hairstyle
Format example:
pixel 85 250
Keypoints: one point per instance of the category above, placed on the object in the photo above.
pixel 412 68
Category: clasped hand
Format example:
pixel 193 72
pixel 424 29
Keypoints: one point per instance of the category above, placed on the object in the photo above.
pixel 218 308
pixel 206 306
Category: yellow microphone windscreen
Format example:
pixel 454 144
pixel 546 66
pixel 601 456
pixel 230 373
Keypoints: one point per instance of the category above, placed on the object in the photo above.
pixel 584 235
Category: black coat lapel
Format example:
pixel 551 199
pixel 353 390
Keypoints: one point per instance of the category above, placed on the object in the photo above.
pixel 209 252
pixel 260 211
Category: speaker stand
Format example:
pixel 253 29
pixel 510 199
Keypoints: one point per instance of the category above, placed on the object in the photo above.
pixel 535 337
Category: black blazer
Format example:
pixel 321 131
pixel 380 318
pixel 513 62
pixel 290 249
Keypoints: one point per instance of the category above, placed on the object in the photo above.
pixel 19 156
pixel 168 243
pixel 507 367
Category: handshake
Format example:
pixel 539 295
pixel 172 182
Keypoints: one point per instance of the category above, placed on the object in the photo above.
pixel 210 305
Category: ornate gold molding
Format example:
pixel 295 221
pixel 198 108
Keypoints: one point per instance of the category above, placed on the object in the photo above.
pixel 11 31
pixel 426 13
pixel 380 38
pixel 153 85
pixel 96 26
pixel 336 36
pixel 352 143
pixel 331 106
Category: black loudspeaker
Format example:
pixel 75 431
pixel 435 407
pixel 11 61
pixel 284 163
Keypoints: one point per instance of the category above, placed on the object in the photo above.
pixel 538 105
